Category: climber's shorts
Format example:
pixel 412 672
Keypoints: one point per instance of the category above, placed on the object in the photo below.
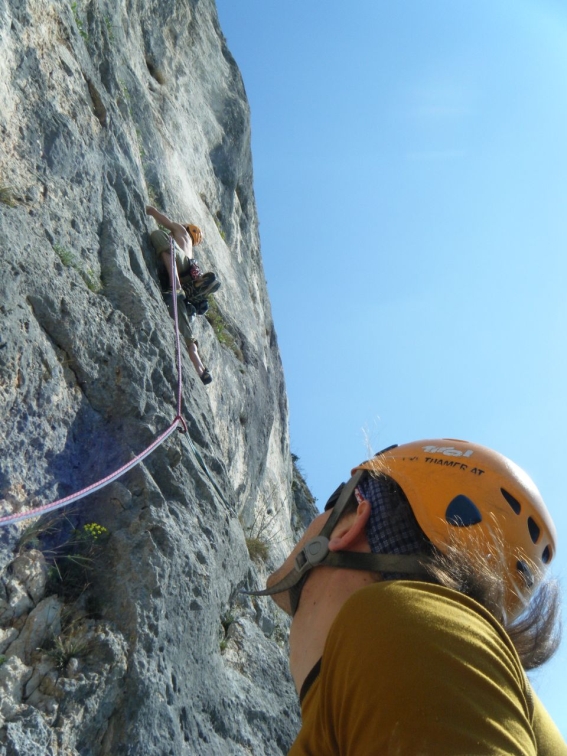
pixel 186 330
pixel 160 241
pixel 183 317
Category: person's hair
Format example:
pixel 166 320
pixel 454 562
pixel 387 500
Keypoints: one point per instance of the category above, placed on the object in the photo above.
pixel 536 632
pixel 472 569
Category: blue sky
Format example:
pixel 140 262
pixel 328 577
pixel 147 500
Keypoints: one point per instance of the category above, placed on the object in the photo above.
pixel 410 164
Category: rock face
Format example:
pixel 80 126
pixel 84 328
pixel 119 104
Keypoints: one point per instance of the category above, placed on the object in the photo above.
pixel 122 625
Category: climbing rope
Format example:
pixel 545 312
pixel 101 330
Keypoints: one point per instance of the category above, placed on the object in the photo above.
pixel 178 422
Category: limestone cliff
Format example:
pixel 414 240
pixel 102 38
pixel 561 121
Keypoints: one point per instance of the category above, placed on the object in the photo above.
pixel 122 625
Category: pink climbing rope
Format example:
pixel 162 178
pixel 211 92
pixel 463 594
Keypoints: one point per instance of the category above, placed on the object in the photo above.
pixel 178 417
pixel 178 422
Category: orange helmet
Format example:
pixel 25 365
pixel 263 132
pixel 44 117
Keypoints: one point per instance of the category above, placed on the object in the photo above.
pixel 457 489
pixel 195 233
pixel 458 492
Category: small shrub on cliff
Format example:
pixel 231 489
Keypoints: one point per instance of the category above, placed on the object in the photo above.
pixel 70 573
pixel 109 28
pixel 32 535
pixel 140 142
pixel 226 621
pixel 257 549
pixel 152 195
pixel 260 535
pixel 66 256
pixel 92 282
pixel 7 196
pixel 62 650
pixel 80 25
pixel 220 229
pixel 219 325
pixel 70 261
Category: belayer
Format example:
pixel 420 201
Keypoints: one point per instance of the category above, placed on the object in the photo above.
pixel 418 601
pixel 187 283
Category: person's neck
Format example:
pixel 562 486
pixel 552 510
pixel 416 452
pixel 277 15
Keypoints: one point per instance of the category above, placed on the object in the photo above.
pixel 322 598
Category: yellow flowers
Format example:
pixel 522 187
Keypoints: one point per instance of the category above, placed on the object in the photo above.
pixel 93 531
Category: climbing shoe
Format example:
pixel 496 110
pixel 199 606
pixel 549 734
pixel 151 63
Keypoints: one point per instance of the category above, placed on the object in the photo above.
pixel 207 285
pixel 206 377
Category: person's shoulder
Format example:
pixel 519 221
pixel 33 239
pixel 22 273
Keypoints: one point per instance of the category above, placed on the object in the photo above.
pixel 410 597
pixel 411 630
pixel 182 238
pixel 428 651
pixel 180 230
pixel 418 608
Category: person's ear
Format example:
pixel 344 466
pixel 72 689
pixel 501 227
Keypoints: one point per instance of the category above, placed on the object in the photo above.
pixel 350 533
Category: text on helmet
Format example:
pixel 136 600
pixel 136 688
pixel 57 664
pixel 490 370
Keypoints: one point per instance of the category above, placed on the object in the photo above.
pixel 448 451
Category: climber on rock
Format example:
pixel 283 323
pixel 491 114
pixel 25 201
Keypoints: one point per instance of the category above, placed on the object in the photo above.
pixel 185 273
pixel 417 602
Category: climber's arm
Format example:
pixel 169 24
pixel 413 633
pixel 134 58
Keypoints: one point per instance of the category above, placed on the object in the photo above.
pixel 163 220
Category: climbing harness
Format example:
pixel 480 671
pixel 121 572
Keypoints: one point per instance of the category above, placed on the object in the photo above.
pixel 178 423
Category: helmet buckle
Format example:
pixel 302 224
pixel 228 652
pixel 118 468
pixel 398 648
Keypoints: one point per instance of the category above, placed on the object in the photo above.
pixel 313 553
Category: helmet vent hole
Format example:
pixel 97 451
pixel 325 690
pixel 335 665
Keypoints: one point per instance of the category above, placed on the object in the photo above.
pixel 533 527
pixel 512 501
pixel 462 512
pixel 546 555
pixel 525 572
pixel 387 449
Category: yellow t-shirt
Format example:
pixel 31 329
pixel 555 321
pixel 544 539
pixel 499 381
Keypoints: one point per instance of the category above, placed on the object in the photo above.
pixel 414 669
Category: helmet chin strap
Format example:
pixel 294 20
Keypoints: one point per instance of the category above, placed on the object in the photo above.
pixel 316 553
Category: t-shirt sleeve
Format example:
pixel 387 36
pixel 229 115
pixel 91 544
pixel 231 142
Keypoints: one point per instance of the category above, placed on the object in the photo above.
pixel 419 671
